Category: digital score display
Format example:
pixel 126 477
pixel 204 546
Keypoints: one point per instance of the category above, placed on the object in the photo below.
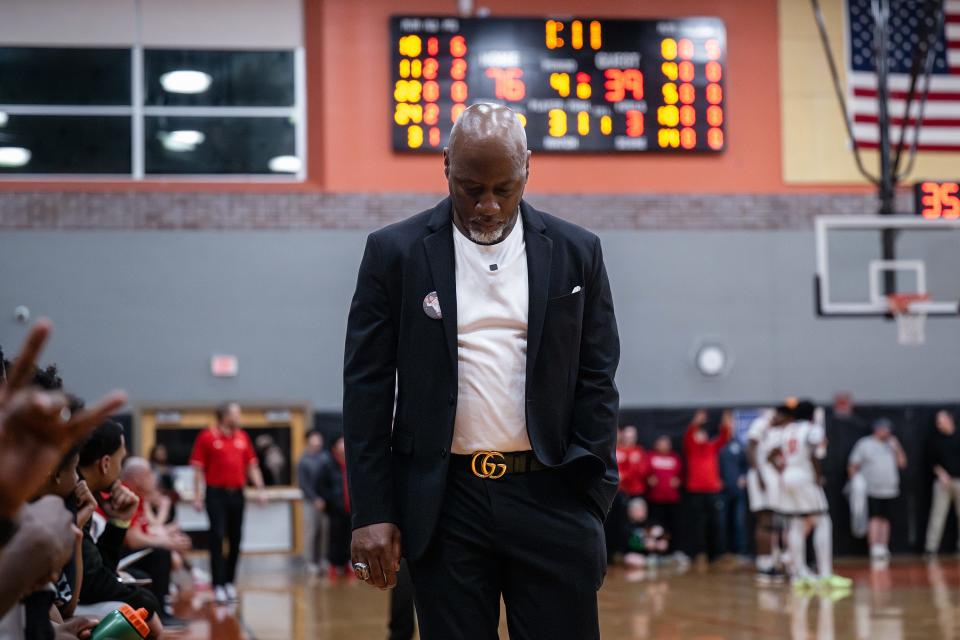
pixel 578 84
pixel 937 200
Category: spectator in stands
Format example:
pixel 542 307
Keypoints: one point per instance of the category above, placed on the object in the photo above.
pixel 945 450
pixel 273 464
pixel 160 462
pixel 100 463
pixel 37 428
pixel 336 497
pixel 733 473
pixel 66 485
pixel 704 486
pixel 63 483
pixel 316 522
pixel 663 479
pixel 149 530
pixel 879 457
pixel 631 464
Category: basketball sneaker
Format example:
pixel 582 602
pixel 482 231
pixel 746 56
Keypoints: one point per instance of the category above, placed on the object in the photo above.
pixel 836 582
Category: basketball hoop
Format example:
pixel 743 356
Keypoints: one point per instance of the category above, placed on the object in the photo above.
pixel 911 319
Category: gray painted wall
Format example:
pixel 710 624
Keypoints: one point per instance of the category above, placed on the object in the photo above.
pixel 146 310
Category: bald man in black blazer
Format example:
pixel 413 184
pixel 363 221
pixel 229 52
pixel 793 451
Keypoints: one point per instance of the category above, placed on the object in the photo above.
pixel 480 409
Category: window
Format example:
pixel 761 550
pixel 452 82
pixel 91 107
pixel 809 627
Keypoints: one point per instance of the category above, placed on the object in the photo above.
pixel 154 112
pixel 237 78
pixel 65 144
pixel 185 145
pixel 65 76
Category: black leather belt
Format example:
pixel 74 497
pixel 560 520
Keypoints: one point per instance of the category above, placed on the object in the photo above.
pixel 493 465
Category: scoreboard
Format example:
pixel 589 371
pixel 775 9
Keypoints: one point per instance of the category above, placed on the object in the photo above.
pixel 577 84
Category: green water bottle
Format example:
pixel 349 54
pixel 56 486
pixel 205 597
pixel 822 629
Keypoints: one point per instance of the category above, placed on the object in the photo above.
pixel 123 624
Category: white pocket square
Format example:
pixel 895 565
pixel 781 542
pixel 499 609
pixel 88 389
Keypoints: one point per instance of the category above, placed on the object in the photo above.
pixel 576 289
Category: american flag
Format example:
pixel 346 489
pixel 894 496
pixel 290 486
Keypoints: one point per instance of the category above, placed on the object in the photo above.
pixel 940 130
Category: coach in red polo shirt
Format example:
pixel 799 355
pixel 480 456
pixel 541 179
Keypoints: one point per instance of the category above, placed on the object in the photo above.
pixel 224 455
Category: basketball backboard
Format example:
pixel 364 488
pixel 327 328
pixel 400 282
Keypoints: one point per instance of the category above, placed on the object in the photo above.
pixel 851 267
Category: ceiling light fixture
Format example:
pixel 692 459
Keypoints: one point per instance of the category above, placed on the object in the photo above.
pixel 181 140
pixel 13 157
pixel 185 81
pixel 285 164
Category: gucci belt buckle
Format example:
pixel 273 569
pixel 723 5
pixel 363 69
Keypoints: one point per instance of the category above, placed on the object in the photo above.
pixel 483 465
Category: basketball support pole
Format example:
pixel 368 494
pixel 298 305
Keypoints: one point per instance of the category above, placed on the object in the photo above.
pixel 924 56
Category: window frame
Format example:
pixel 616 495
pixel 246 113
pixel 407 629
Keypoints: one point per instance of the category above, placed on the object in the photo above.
pixel 138 111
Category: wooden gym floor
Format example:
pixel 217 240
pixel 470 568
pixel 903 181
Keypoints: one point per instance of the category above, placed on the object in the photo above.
pixel 908 599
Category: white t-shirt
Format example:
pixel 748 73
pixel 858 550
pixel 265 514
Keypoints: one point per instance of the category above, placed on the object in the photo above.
pixel 492 306
pixel 878 464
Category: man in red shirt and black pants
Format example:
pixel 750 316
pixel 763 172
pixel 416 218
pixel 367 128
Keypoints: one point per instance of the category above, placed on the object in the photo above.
pixel 706 510
pixel 224 455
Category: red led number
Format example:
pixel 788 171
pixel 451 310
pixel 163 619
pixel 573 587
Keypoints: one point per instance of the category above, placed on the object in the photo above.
pixel 507 83
pixel 458 69
pixel 619 81
pixel 458 46
pixel 940 200
pixel 634 123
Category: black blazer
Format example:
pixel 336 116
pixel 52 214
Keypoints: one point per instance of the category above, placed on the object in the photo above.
pixel 398 474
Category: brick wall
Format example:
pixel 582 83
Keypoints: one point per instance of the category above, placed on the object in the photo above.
pixel 210 210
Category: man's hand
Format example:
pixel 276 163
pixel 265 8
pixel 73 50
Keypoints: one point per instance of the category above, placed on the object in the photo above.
pixel 700 417
pixel 942 476
pixel 122 504
pixel 378 545
pixel 76 628
pixel 47 536
pixel 86 503
pixel 155 626
pixel 36 427
pixel 177 541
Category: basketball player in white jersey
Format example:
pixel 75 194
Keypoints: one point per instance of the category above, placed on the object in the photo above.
pixel 763 490
pixel 803 445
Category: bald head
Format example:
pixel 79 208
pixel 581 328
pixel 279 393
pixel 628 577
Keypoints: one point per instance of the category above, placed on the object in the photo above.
pixel 489 125
pixel 486 164
pixel 137 474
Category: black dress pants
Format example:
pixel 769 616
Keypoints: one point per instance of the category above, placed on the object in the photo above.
pixel 225 510
pixel 402 623
pixel 532 538
pixel 157 566
pixel 707 524
pixel 340 534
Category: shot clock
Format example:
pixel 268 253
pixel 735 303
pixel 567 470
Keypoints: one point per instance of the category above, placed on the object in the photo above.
pixel 577 84
pixel 937 200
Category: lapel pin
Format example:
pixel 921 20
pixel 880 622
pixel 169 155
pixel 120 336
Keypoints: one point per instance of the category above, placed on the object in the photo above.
pixel 431 305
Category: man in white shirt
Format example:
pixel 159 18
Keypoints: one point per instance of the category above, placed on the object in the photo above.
pixel 497 469
pixel 880 458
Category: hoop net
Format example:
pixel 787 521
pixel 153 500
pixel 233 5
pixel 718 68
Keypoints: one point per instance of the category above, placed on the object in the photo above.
pixel 911 321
